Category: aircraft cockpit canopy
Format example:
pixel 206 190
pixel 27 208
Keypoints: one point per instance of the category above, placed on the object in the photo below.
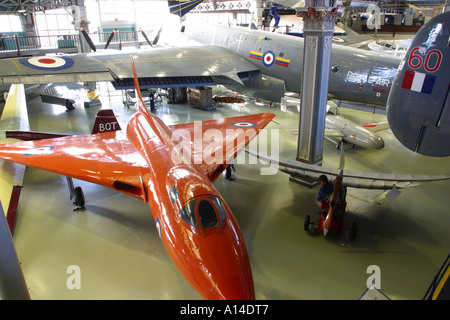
pixel 204 212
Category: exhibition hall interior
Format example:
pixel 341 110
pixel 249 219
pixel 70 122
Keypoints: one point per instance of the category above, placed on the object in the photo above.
pixel 224 150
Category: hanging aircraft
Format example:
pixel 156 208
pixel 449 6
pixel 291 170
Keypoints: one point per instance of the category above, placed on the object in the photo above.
pixel 173 169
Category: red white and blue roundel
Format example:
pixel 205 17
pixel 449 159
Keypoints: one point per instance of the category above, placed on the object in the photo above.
pixel 47 63
pixel 244 124
pixel 38 151
pixel 268 58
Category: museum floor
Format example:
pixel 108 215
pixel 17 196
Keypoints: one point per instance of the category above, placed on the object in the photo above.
pixel 115 244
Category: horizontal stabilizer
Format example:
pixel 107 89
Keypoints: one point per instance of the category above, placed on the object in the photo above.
pixel 355 179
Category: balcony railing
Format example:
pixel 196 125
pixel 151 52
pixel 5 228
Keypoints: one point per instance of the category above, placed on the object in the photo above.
pixel 18 45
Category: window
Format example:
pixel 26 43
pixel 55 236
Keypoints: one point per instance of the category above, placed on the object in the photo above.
pixel 219 206
pixel 173 194
pixel 187 213
pixel 207 214
pixel 206 209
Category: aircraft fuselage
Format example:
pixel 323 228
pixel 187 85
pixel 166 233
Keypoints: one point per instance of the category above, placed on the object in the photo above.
pixel 356 75
pixel 195 225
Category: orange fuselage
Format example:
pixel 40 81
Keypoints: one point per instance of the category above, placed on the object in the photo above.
pixel 196 226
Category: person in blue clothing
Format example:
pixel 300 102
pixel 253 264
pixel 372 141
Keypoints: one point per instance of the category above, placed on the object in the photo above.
pixel 325 192
pixel 273 12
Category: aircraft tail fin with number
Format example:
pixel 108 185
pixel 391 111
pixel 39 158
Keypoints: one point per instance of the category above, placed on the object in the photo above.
pixel 105 121
pixel 418 106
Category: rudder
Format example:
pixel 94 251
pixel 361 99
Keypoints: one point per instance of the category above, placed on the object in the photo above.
pixel 418 106
pixel 105 121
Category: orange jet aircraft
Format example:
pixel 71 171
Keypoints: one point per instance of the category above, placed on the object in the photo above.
pixel 173 169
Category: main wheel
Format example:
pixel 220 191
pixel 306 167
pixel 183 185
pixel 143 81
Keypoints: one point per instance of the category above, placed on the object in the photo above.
pixel 307 222
pixel 354 230
pixel 79 197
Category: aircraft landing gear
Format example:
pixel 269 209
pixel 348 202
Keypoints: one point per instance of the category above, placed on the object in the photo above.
pixel 76 194
pixel 79 197
pixel 353 231
pixel 307 222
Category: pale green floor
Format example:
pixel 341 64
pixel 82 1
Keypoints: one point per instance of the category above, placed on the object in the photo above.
pixel 116 246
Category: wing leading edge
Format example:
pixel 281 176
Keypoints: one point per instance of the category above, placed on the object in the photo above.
pixel 355 179
pixel 159 67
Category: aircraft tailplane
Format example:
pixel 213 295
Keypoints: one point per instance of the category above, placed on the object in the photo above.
pixel 418 106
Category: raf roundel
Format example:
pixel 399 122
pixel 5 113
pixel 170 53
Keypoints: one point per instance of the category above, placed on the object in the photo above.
pixel 47 63
pixel 244 124
pixel 38 151
pixel 268 58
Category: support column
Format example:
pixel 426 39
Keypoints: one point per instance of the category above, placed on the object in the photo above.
pixel 318 28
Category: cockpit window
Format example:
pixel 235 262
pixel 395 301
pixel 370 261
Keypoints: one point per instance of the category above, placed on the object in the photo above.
pixel 207 214
pixel 208 210
pixel 219 206
pixel 173 194
pixel 187 213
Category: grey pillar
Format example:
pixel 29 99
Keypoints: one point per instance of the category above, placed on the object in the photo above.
pixel 12 281
pixel 319 17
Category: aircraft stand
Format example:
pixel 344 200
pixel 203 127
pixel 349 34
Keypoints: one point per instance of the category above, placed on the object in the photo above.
pixel 319 17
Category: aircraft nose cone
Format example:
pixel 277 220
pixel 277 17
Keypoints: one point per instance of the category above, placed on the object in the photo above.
pixel 233 287
pixel 378 142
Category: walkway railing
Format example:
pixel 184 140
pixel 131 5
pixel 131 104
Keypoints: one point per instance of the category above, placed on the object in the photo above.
pixel 17 45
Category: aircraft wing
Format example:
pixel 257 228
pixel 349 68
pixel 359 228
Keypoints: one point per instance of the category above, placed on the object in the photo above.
pixel 355 179
pixel 331 133
pixel 214 143
pixel 111 160
pixel 13 117
pixel 108 159
pixel 158 67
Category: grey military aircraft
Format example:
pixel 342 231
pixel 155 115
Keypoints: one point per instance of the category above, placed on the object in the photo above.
pixel 265 64
pixel 255 62
pixel 418 108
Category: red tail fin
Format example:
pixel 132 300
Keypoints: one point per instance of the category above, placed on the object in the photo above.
pixel 140 105
pixel 105 121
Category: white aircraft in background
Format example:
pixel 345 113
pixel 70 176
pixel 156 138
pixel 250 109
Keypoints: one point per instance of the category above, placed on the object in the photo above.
pixel 339 129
